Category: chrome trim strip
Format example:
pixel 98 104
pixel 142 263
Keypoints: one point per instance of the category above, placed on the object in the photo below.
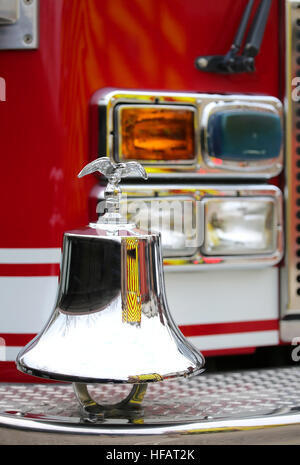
pixel 290 274
pixel 231 425
pixel 110 98
pixel 199 192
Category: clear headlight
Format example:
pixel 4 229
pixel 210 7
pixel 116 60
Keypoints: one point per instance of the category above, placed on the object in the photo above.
pixel 179 220
pixel 240 226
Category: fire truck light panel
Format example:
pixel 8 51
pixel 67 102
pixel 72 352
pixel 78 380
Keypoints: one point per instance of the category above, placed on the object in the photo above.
pixel 189 135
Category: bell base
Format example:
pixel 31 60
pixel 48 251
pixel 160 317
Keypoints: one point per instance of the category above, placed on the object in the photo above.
pixel 212 403
pixel 129 407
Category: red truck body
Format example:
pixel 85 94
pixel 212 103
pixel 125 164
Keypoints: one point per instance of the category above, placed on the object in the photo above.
pixel 85 46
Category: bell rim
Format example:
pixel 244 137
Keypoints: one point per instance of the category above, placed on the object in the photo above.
pixel 83 233
pixel 88 380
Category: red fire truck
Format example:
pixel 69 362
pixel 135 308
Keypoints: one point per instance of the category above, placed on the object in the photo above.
pixel 204 95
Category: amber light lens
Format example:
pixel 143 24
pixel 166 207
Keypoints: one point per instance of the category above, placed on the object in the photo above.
pixel 157 134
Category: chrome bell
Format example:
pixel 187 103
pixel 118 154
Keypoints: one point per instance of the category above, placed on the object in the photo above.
pixel 111 322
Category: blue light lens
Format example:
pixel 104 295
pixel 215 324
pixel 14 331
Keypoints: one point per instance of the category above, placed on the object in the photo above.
pixel 239 135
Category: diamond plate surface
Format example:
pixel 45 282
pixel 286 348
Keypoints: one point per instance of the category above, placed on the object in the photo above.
pixel 207 397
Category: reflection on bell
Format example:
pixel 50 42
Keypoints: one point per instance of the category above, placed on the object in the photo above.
pixel 111 322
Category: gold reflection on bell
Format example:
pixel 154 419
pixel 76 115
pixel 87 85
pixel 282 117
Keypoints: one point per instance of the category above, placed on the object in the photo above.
pixel 131 304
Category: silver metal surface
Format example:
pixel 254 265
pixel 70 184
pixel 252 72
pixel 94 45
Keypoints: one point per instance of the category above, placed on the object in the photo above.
pixel 209 403
pixel 198 193
pixel 290 309
pixel 108 101
pixel 23 32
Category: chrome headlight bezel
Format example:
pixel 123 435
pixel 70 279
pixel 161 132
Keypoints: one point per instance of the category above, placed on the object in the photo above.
pixel 201 193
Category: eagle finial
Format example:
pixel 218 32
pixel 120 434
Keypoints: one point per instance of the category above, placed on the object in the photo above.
pixel 114 172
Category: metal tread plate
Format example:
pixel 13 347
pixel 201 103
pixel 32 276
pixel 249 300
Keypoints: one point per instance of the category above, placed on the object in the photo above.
pixel 207 403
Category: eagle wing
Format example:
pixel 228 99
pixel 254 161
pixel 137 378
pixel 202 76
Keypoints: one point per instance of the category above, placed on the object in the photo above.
pixel 132 168
pixel 103 165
